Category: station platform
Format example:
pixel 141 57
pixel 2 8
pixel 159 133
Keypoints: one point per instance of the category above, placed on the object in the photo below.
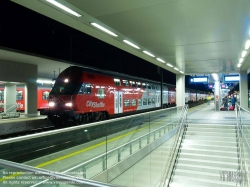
pixel 148 170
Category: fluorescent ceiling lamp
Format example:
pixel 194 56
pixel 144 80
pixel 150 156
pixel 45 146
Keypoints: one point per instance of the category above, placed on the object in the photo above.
pixel 148 53
pixel 129 43
pixel 243 54
pixel 247 44
pixel 176 69
pixel 181 72
pixel 160 60
pixel 104 29
pixel 59 5
pixel 241 60
pixel 170 65
pixel 238 65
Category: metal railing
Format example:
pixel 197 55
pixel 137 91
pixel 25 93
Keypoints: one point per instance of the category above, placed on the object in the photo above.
pixel 243 138
pixel 10 111
pixel 166 177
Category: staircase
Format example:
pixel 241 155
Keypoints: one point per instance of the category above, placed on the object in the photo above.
pixel 207 157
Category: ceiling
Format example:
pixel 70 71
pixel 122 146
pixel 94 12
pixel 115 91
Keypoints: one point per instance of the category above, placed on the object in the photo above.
pixel 196 36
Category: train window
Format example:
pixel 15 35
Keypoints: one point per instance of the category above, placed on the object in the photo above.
pixel 139 102
pixel 153 100
pixel 149 101
pixel 1 95
pixel 117 82
pixel 133 102
pixel 45 95
pixel 126 102
pixel 100 93
pixel 143 85
pixel 19 95
pixel 149 86
pixel 138 85
pixel 133 83
pixel 153 87
pixel 145 101
pixel 125 83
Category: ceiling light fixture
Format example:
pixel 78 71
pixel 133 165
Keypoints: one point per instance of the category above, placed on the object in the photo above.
pixel 176 69
pixel 243 54
pixel 59 5
pixel 104 29
pixel 247 44
pixel 181 72
pixel 148 53
pixel 238 65
pixel 129 43
pixel 160 60
pixel 241 60
pixel 170 65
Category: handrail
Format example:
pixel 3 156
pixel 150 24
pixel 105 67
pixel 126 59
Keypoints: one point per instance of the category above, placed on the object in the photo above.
pixel 53 175
pixel 242 143
pixel 239 137
pixel 171 162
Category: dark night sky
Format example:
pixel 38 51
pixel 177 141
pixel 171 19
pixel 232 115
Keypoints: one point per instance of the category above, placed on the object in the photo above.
pixel 30 32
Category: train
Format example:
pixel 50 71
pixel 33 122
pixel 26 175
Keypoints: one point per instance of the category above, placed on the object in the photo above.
pixel 42 97
pixel 82 95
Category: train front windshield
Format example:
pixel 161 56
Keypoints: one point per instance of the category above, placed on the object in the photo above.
pixel 65 88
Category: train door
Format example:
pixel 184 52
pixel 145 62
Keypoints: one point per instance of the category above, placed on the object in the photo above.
pixel 118 97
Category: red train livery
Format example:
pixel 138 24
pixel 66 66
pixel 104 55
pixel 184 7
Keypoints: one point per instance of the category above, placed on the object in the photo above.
pixel 83 95
pixel 42 97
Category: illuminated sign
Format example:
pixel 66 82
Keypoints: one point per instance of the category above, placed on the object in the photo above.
pixel 194 80
pixel 210 86
pixel 231 78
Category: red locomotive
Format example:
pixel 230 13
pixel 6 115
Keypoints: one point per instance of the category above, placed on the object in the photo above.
pixel 83 95
pixel 42 97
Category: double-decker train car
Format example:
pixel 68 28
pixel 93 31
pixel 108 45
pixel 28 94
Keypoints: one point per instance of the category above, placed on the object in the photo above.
pixel 42 97
pixel 83 95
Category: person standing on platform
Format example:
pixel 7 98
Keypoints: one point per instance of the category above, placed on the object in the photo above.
pixel 233 101
pixel 208 99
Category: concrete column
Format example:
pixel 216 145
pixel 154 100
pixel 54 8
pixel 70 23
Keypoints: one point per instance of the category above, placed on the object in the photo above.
pixel 31 99
pixel 243 89
pixel 180 90
pixel 217 95
pixel 9 97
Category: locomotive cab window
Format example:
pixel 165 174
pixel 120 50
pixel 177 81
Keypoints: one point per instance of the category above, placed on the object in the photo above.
pixel 85 89
pixel 117 82
pixel 19 95
pixel 45 95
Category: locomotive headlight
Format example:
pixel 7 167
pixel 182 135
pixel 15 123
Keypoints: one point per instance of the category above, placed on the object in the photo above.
pixel 51 104
pixel 68 104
